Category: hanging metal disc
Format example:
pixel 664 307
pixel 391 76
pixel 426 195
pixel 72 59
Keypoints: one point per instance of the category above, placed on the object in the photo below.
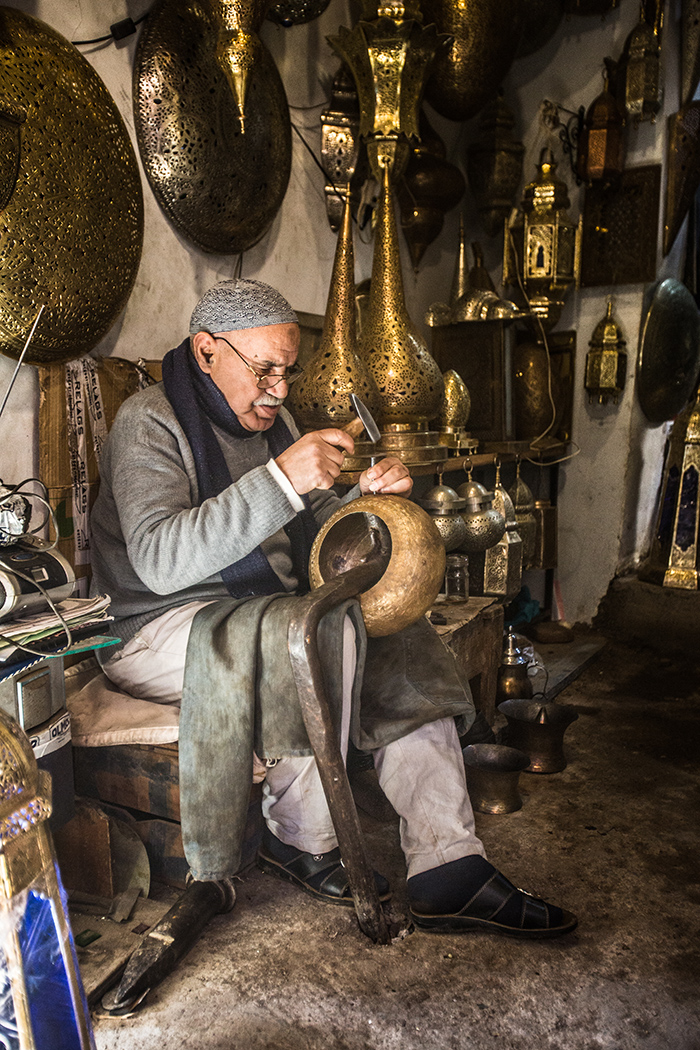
pixel 72 231
pixel 669 352
pixel 221 187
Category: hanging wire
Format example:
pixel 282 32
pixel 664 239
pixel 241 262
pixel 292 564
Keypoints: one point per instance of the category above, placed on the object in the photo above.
pixel 550 394
pixel 118 31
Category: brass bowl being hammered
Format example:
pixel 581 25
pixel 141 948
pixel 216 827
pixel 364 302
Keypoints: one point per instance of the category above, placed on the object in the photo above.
pixel 401 534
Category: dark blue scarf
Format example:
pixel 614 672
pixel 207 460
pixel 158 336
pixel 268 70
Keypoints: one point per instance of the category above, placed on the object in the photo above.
pixel 197 403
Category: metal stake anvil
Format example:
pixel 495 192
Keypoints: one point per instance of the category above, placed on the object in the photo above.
pixel 308 675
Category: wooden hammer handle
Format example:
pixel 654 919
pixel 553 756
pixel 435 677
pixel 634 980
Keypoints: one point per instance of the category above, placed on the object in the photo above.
pixel 354 428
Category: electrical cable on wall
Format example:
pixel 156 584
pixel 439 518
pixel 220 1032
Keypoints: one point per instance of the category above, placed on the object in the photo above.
pixel 117 31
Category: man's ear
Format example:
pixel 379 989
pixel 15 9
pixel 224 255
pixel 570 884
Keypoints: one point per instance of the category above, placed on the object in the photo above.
pixel 204 349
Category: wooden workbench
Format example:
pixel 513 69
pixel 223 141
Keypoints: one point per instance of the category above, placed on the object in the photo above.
pixel 474 633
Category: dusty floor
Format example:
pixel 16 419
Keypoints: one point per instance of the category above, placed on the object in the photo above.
pixel 614 837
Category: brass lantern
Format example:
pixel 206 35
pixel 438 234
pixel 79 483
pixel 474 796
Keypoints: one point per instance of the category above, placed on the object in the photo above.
pixel 524 506
pixel 43 1000
pixel 495 165
pixel 390 58
pixel 340 144
pixel 543 245
pixel 601 147
pixel 606 363
pixel 684 563
pixel 638 81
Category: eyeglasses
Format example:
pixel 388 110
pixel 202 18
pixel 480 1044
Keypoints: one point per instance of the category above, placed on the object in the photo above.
pixel 266 377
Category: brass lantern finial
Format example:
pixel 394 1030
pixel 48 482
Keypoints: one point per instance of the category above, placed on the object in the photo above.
pixel 409 380
pixel 321 398
pixel 390 57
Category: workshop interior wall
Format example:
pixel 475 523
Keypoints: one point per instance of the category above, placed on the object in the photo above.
pixel 608 490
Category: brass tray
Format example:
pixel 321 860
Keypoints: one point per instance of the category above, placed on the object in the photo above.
pixel 219 187
pixel 73 229
pixel 669 352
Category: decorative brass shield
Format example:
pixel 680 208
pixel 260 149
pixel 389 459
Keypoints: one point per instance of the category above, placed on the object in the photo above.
pixel 221 188
pixel 669 352
pixel 72 232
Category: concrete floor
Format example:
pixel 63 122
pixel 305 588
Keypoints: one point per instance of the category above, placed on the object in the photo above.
pixel 614 837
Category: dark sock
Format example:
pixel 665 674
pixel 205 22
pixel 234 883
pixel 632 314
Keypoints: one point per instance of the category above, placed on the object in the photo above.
pixel 447 889
pixel 281 851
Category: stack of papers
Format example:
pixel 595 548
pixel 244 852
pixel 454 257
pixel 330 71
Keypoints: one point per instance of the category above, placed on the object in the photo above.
pixel 44 631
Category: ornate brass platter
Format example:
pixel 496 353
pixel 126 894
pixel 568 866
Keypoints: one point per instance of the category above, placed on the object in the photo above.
pixel 220 187
pixel 71 234
pixel 669 352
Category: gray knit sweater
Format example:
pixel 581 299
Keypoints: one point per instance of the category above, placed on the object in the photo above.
pixel 153 545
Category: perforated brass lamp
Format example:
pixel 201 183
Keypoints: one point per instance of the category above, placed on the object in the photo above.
pixel 389 54
pixel 601 147
pixel 543 245
pixel 238 47
pixel 606 363
pixel 42 1002
pixel 638 81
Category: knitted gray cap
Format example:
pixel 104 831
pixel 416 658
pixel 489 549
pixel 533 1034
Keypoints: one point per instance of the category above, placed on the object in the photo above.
pixel 233 305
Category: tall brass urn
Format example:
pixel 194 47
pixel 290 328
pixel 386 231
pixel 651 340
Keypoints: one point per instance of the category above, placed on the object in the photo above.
pixel 321 398
pixel 409 381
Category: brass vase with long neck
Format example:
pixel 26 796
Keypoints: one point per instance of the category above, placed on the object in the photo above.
pixel 409 381
pixel 238 48
pixel 321 398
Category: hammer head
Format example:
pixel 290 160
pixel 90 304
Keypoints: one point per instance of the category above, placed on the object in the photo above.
pixel 364 421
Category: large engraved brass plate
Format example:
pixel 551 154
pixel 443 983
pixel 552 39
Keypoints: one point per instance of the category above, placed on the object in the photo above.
pixel 221 187
pixel 71 234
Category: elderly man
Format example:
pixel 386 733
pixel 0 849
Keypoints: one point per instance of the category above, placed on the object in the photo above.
pixel 209 493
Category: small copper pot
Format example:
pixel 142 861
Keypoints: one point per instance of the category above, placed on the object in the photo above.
pixel 538 729
pixel 493 771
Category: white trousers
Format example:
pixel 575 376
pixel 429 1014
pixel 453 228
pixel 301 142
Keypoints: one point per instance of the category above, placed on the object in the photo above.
pixel 422 774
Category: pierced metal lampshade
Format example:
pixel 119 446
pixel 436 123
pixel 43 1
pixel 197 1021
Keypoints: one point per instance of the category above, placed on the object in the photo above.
pixel 321 397
pixel 409 380
pixel 390 57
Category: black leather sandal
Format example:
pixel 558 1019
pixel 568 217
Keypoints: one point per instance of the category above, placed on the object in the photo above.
pixel 322 875
pixel 528 917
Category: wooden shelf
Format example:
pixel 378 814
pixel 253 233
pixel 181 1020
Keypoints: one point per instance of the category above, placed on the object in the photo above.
pixel 505 451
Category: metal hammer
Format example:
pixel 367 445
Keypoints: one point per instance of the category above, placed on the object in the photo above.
pixel 364 420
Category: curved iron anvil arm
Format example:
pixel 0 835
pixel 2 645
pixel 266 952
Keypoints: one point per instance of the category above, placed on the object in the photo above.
pixel 306 665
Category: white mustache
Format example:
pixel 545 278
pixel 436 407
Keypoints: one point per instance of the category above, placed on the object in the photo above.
pixel 269 399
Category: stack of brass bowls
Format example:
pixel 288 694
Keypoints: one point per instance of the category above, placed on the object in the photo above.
pixel 412 443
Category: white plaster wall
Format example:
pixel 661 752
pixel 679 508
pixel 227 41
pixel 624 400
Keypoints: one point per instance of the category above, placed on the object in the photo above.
pixel 608 489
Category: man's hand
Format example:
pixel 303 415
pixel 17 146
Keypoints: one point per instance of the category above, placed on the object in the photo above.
pixel 389 475
pixel 314 461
